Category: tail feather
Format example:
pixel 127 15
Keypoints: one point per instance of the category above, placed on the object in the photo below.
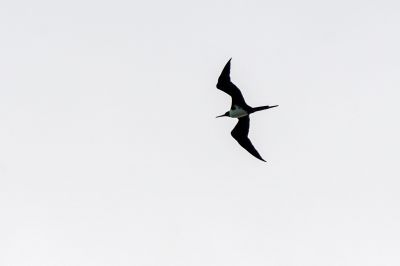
pixel 256 109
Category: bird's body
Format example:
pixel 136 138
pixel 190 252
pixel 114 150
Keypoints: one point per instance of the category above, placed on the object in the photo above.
pixel 237 112
pixel 239 109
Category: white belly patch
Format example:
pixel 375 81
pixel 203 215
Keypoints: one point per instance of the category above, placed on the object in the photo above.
pixel 237 112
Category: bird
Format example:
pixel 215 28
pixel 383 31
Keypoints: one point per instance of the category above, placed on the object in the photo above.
pixel 240 110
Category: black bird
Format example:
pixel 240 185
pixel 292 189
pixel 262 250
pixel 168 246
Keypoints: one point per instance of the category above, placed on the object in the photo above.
pixel 239 109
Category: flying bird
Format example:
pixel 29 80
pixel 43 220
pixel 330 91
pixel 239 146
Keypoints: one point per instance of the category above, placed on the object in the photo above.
pixel 239 109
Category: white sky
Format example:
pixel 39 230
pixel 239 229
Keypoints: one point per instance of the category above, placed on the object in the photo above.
pixel 110 153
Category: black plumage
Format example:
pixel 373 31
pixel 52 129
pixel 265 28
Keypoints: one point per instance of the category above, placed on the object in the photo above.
pixel 240 133
pixel 241 130
pixel 225 84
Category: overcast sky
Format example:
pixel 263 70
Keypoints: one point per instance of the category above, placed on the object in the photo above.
pixel 110 153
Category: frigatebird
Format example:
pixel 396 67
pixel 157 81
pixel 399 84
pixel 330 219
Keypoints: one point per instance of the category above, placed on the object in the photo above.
pixel 239 109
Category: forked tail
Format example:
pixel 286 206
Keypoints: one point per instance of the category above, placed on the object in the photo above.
pixel 256 109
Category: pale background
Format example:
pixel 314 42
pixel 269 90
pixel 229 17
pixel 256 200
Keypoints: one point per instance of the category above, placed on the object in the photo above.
pixel 110 153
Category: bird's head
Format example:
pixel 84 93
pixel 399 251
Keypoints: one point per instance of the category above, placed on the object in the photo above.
pixel 226 114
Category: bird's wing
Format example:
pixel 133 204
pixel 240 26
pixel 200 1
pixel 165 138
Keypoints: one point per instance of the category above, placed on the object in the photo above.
pixel 224 84
pixel 240 132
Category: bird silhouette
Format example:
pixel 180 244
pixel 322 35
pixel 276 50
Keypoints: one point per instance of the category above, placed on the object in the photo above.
pixel 239 109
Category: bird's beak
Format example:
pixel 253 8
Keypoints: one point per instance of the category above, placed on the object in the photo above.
pixel 221 115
